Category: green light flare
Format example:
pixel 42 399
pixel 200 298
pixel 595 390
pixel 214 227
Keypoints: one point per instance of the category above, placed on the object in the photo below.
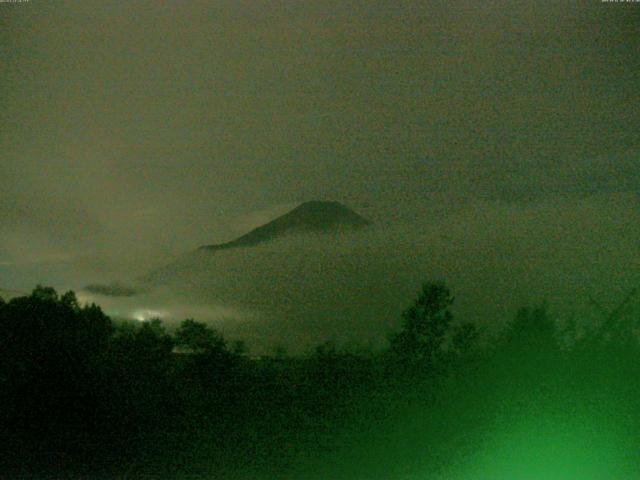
pixel 554 446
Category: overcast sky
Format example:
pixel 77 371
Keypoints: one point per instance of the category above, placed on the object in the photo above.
pixel 138 129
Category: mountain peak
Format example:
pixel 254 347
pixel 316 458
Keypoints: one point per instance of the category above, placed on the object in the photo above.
pixel 314 216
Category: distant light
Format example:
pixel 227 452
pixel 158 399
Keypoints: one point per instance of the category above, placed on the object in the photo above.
pixel 143 315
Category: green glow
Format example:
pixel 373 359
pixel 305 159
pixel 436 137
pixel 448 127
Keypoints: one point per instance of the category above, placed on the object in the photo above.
pixel 553 446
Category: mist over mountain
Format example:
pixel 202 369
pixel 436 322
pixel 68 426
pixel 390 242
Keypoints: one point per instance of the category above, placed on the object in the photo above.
pixel 351 285
pixel 309 217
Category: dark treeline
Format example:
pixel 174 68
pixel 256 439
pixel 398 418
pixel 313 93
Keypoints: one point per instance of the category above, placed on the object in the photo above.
pixel 82 396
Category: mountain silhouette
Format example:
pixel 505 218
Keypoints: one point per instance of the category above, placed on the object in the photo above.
pixel 309 217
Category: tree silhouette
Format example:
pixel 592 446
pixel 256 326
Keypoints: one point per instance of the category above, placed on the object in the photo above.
pixel 532 329
pixel 52 353
pixel 424 327
pixel 198 337
pixel 464 338
pixel 70 301
pixel 44 293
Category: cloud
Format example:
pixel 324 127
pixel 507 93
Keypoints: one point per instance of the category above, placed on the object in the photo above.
pixel 136 131
pixel 353 287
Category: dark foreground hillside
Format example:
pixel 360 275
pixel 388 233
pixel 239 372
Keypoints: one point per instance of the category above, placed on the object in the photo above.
pixel 84 397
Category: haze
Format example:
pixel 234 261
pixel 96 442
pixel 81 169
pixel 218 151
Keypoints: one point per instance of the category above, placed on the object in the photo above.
pixel 493 145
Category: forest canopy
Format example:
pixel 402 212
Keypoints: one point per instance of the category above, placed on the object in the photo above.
pixel 86 395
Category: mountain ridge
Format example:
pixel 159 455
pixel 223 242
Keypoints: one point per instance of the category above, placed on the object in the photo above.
pixel 315 216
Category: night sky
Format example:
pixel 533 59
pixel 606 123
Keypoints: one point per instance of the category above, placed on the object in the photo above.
pixel 493 144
